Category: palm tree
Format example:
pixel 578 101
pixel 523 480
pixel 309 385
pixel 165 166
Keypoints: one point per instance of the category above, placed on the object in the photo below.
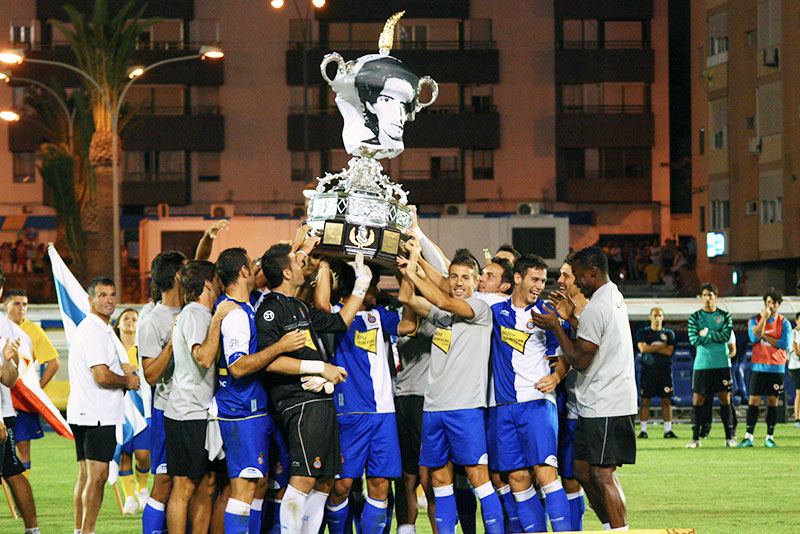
pixel 103 46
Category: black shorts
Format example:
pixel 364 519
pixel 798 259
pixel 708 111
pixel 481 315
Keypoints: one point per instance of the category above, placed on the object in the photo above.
pixel 605 441
pixel 795 374
pixel 95 442
pixel 656 382
pixel 186 448
pixel 313 435
pixel 408 410
pixel 706 382
pixel 11 465
pixel 761 383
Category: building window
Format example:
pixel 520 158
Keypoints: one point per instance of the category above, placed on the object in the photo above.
pixel 719 124
pixel 770 109
pixel 605 98
pixel 717 39
pixel 155 166
pixel 623 34
pixel 579 33
pixel 157 99
pixel 24 167
pixel 445 168
pixel 772 210
pixel 483 165
pixel 208 167
pixel 22 32
pixel 720 214
pixel 702 219
pixel 413 36
pixel 769 29
pixel 604 163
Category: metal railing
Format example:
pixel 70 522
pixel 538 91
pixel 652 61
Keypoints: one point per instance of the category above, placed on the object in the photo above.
pixel 152 45
pixel 175 110
pixel 153 176
pixel 633 173
pixel 430 175
pixel 434 109
pixel 398 45
pixel 631 44
pixel 605 108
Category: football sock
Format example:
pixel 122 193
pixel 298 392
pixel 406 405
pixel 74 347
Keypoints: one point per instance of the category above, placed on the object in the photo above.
pixel 141 478
pixel 752 419
pixel 491 509
pixel 667 426
pixel 154 517
pixel 466 506
pixel 696 421
pixel 510 508
pixel 531 512
pixel 643 425
pixel 725 413
pixel 254 524
pixel 772 418
pixel 557 506
pixel 292 510
pixel 127 483
pixel 336 516
pixel 373 518
pixel 577 507
pixel 237 517
pixel 314 512
pixel 406 529
pixel 446 513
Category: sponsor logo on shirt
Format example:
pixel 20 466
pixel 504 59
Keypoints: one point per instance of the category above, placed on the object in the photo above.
pixel 441 338
pixel 309 342
pixel 367 341
pixel 515 339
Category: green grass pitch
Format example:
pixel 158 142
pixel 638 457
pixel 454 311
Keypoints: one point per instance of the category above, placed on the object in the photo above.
pixel 712 489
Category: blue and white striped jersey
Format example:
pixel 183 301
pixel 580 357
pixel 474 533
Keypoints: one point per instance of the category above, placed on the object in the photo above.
pixel 362 352
pixel 519 352
pixel 239 398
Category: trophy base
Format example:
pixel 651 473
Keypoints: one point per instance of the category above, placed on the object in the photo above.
pixel 345 240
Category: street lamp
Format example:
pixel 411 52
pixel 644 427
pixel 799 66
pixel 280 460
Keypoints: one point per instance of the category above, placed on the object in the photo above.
pixel 9 115
pixel 6 76
pixel 16 56
pixel 278 4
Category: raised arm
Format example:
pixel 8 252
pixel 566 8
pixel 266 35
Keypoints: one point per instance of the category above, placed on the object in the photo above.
pixel 440 299
pixel 322 292
pixel 206 243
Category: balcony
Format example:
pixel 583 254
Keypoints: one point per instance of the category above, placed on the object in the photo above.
pixel 148 188
pixel 203 132
pixel 208 73
pixel 371 11
pixel 434 128
pixel 604 65
pixel 604 129
pixel 603 187
pixel 174 9
pixel 444 61
pixel 424 187
pixel 592 9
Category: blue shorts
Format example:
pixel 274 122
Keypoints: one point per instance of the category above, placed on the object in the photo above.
pixel 140 441
pixel 530 434
pixel 28 427
pixel 491 437
pixel 246 444
pixel 369 441
pixel 158 443
pixel 455 435
pixel 566 442
pixel 279 457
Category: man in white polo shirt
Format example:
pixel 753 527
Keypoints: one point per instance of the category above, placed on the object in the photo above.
pixel 97 380
pixel 605 437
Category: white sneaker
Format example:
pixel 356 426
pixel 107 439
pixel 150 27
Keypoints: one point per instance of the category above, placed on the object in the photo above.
pixel 422 501
pixel 131 506
pixel 694 444
pixel 142 495
pixel 730 442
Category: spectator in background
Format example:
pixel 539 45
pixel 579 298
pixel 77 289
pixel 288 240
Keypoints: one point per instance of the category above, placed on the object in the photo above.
pixel 21 257
pixel 652 273
pixel 691 252
pixel 39 263
pixel 6 262
pixel 794 367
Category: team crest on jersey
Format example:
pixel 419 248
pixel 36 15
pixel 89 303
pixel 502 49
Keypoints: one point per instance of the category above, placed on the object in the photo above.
pixel 441 338
pixel 667 389
pixel 278 468
pixel 663 337
pixel 269 315
pixel 367 341
pixel 529 325
pixel 718 319
pixel 261 458
pixel 317 463
pixel 516 339
pixel 777 387
pixel 371 319
pixel 725 381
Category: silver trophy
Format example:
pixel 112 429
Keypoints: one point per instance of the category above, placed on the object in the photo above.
pixel 360 209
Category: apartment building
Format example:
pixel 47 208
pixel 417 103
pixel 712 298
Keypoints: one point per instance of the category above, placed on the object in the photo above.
pixel 547 106
pixel 746 195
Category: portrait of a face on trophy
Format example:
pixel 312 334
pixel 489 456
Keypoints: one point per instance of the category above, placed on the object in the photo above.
pixel 376 95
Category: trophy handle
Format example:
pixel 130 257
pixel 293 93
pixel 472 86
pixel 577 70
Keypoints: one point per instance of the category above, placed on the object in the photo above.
pixel 327 59
pixel 427 80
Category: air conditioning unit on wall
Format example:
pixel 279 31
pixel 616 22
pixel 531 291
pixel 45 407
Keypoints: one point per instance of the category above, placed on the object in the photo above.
pixel 454 209
pixel 529 208
pixel 754 146
pixel 221 211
